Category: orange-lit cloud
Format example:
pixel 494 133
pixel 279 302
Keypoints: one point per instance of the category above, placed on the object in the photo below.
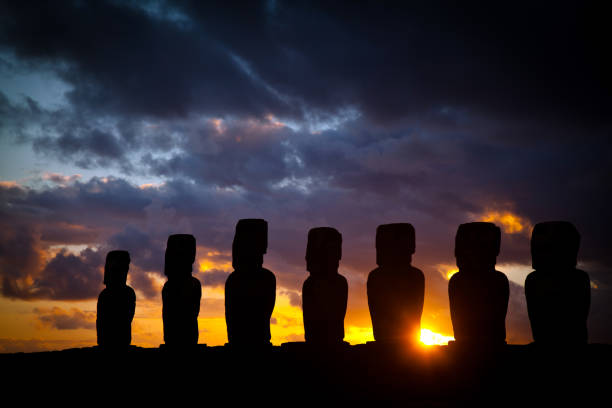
pixel 218 125
pixel 447 270
pixel 9 184
pixel 214 260
pixel 274 122
pixel 60 179
pixel 151 185
pixel 213 269
pixel 61 319
pixel 510 223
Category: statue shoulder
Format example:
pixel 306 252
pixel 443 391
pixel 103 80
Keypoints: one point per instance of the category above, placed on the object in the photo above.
pixel 341 280
pixel 417 272
pixel 196 282
pixel 130 292
pixel 103 294
pixel 268 274
pixel 374 275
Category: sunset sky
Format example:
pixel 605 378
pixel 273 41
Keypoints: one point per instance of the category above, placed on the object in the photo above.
pixel 122 122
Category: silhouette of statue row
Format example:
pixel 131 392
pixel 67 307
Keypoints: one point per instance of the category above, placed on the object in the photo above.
pixel 558 294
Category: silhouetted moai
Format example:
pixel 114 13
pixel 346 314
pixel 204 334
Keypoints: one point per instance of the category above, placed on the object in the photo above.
pixel 181 293
pixel 250 290
pixel 478 294
pixel 558 294
pixel 116 303
pixel 325 291
pixel 396 289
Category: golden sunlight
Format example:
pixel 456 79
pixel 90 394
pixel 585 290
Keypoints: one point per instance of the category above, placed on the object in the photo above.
pixel 360 335
pixel 510 223
pixel 430 338
pixel 210 263
pixel 447 270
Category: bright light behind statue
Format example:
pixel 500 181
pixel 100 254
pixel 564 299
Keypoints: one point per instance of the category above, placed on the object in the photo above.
pixel 429 338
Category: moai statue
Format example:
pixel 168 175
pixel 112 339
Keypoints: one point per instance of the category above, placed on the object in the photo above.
pixel 116 303
pixel 558 294
pixel 250 290
pixel 325 291
pixel 396 289
pixel 181 293
pixel 478 294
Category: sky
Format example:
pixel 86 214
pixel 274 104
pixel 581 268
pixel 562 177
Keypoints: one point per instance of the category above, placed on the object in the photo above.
pixel 122 122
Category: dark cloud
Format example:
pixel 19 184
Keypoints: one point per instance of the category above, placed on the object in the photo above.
pixel 295 298
pixel 92 214
pixel 144 283
pixel 92 148
pixel 133 63
pixel 71 277
pixel 60 319
pixel 214 277
pixel 145 251
pixel 20 251
pixel 403 59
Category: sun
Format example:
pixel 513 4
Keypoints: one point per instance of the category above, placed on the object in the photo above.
pixel 430 338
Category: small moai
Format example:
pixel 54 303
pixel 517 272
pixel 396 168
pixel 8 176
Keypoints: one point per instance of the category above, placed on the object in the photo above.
pixel 181 293
pixel 478 294
pixel 396 289
pixel 116 303
pixel 558 295
pixel 325 291
pixel 250 290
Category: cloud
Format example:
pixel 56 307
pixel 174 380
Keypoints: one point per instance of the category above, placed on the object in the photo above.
pixel 60 178
pixel 70 277
pixel 87 147
pixel 146 251
pixel 60 319
pixel 295 298
pixel 214 277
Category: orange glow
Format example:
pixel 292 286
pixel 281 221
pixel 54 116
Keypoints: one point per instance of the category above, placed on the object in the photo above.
pixel 447 270
pixel 207 264
pixel 60 178
pixel 360 335
pixel 217 123
pixel 430 338
pixel 9 184
pixel 274 122
pixel 450 273
pixel 510 223
pixel 150 185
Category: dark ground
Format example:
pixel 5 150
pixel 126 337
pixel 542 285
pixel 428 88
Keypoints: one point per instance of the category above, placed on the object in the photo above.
pixel 295 374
